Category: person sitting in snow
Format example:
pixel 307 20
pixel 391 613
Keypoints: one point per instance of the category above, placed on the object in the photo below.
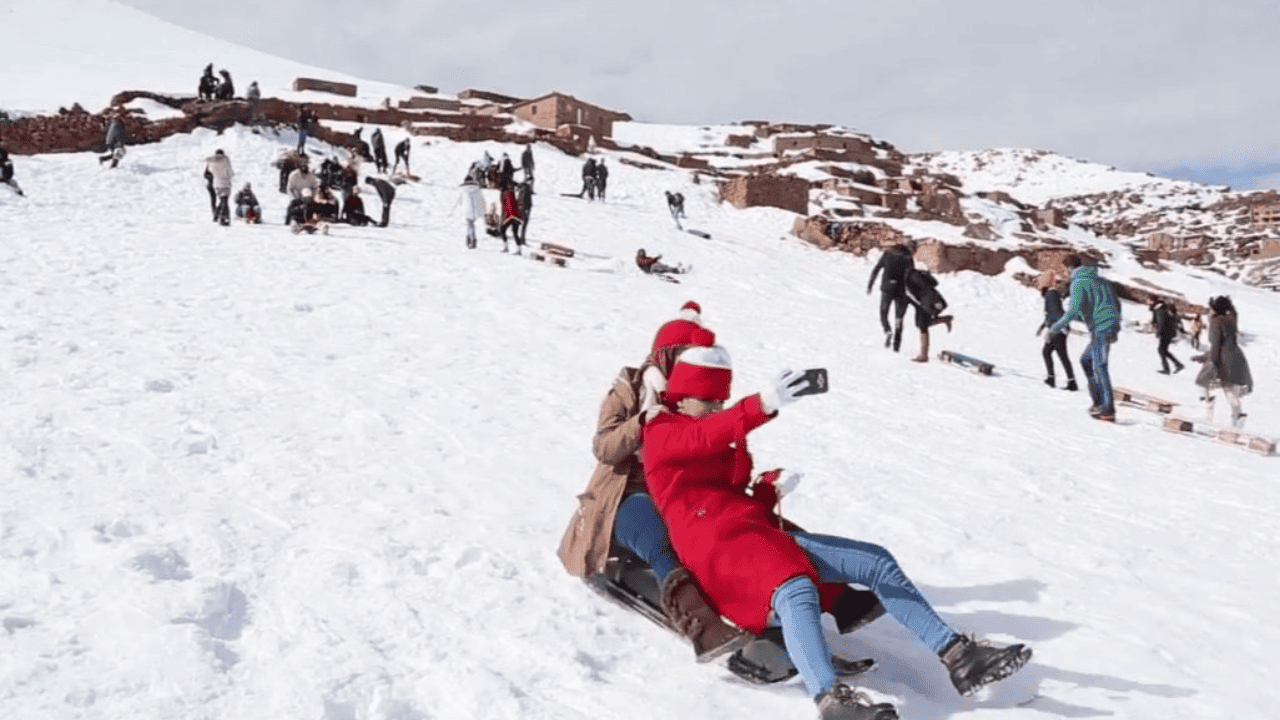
pixel 247 207
pixel 325 205
pixel 722 520
pixel 650 265
pixel 353 210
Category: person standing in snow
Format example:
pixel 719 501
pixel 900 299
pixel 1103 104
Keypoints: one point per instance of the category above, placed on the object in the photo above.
pixel 1197 327
pixel 895 262
pixel 1054 343
pixel 588 179
pixel 922 292
pixel 602 178
pixel 473 204
pixel 6 171
pixel 219 166
pixel 506 172
pixel 526 162
pixel 725 528
pixel 1094 300
pixel 305 123
pixel 524 198
pixel 1225 366
pixel 1167 324
pixel 226 89
pixel 402 153
pixel 379 151
pixel 386 193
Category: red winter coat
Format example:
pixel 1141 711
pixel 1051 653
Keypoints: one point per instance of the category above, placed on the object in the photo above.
pixel 510 207
pixel 697 470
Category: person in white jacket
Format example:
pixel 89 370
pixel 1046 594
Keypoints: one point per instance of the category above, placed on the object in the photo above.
pixel 217 170
pixel 473 206
pixel 302 179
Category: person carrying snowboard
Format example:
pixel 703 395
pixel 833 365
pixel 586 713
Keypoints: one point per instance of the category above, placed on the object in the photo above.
pixel 894 262
pixel 724 527
pixel 1054 343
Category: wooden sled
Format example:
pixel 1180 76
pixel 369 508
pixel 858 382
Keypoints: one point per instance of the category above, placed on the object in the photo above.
pixel 1143 400
pixel 1230 436
pixel 550 258
pixel 955 358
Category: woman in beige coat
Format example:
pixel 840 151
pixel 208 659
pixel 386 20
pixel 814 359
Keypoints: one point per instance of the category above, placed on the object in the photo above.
pixel 616 508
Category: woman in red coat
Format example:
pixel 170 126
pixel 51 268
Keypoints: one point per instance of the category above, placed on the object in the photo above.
pixel 725 531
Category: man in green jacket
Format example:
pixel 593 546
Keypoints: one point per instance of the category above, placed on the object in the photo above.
pixel 1094 300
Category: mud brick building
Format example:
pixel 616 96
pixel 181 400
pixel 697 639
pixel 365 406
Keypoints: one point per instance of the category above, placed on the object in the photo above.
pixel 780 191
pixel 553 110
pixel 1265 214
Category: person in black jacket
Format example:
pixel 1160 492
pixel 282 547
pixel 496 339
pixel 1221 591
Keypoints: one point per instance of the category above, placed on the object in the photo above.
pixel 386 193
pixel 921 289
pixel 506 173
pixel 402 153
pixel 526 162
pixel 1167 324
pixel 226 89
pixel 247 207
pixel 524 197
pixel 589 179
pixel 6 171
pixel 1056 342
pixel 379 151
pixel 602 178
pixel 895 263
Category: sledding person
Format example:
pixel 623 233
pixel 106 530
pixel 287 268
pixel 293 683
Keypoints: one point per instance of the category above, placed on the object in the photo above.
pixel 386 193
pixel 895 262
pixel 650 266
pixel 1054 343
pixel 1094 300
pixel 402 153
pixel 922 292
pixel 115 141
pixel 379 151
pixel 324 205
pixel 353 210
pixel 6 170
pixel 247 207
pixel 302 179
pixel 1167 324
pixel 217 169
pixel 1225 366
pixel 602 178
pixel 724 527
pixel 289 161
pixel 510 218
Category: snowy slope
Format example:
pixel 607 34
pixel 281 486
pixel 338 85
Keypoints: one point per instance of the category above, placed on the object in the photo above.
pixel 254 474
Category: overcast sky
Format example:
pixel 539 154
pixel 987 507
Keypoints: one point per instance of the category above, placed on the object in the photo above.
pixel 1173 87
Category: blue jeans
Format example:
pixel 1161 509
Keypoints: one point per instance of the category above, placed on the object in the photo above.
pixel 1094 361
pixel 843 560
pixel 640 529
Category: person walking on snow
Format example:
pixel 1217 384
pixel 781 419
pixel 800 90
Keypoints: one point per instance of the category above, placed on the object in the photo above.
pixel 1167 324
pixel 472 199
pixel 588 179
pixel 895 262
pixel 602 178
pixel 6 171
pixel 724 527
pixel 1054 343
pixel 675 204
pixel 526 162
pixel 1093 299
pixel 217 169
pixel 115 141
pixel 922 292
pixel 1225 366
pixel 510 218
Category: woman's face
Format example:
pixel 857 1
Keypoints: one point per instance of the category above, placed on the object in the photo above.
pixel 697 407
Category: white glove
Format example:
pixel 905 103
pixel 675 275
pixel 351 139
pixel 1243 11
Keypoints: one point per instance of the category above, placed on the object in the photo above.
pixel 788 482
pixel 781 391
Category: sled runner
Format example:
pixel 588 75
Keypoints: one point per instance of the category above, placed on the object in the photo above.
pixel 955 358
pixel 628 582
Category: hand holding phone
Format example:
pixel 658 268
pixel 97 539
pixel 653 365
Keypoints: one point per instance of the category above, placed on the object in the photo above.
pixel 812 382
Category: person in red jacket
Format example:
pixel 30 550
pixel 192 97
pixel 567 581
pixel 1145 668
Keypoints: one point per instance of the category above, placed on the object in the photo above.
pixel 724 528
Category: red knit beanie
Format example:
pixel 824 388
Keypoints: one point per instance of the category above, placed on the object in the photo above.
pixel 684 330
pixel 700 372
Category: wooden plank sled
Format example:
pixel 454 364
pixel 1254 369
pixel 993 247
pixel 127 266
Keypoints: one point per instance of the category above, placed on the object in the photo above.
pixel 1254 443
pixel 955 358
pixel 566 251
pixel 549 258
pixel 1143 400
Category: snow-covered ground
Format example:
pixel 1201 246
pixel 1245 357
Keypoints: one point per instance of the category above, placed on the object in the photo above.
pixel 252 474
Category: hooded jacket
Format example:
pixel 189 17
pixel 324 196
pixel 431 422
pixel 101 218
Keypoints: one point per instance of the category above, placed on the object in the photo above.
pixel 1225 363
pixel 1093 300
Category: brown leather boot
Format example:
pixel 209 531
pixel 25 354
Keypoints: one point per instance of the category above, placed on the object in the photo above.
pixel 688 609
pixel 924 348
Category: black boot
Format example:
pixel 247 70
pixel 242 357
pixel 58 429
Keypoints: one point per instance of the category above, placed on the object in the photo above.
pixel 711 636
pixel 841 702
pixel 973 664
pixel 1071 384
pixel 1049 381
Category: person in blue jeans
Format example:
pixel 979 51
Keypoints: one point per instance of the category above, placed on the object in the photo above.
pixel 1093 299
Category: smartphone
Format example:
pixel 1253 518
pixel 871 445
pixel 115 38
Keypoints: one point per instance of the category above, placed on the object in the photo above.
pixel 817 381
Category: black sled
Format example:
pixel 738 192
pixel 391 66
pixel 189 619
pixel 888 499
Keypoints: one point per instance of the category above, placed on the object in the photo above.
pixel 628 582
